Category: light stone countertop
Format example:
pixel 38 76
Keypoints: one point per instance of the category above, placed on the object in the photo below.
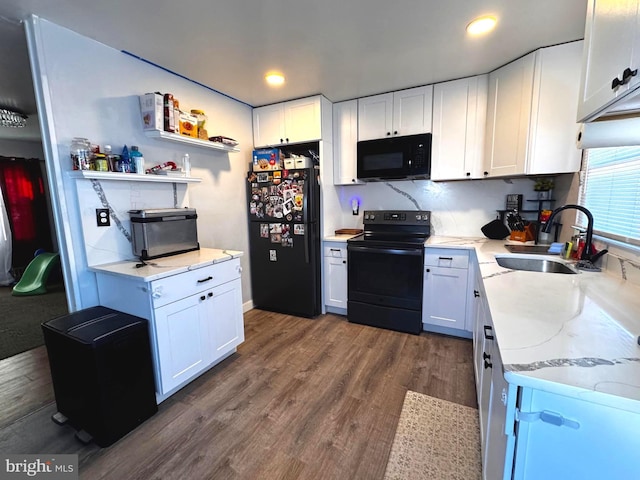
pixel 574 335
pixel 338 238
pixel 166 266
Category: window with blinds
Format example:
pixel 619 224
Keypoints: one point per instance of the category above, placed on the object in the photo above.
pixel 611 191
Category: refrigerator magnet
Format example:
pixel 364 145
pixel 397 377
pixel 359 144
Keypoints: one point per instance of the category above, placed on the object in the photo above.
pixel 276 238
pixel 275 228
pixel 263 177
pixel 273 256
pixel 264 230
pixel 287 242
pixel 298 229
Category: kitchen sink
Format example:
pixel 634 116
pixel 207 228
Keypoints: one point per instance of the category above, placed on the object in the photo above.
pixel 538 249
pixel 534 264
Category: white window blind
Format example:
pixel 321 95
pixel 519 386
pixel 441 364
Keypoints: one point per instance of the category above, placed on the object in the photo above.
pixel 611 192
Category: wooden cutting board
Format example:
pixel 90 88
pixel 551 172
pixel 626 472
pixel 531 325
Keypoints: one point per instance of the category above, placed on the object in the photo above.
pixel 349 231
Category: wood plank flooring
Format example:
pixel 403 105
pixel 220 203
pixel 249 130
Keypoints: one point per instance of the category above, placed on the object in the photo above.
pixel 301 399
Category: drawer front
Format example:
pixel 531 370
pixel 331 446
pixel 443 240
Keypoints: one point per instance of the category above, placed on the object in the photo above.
pixel 170 289
pixel 336 250
pixel 446 258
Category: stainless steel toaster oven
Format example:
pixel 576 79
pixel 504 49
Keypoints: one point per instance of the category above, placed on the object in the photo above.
pixel 162 232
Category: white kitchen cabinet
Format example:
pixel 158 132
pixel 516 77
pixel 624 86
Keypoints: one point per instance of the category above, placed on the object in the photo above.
pixel 612 45
pixel 444 301
pixel 562 437
pixel 181 334
pixel 405 112
pixel 459 120
pixel 195 318
pixel 335 277
pixel 530 123
pixel 345 143
pixel 290 122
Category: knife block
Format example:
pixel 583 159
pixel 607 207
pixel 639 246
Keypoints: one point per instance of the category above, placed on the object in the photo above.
pixel 523 235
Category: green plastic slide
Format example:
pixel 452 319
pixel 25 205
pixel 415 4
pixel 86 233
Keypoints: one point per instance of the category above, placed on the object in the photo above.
pixel 34 278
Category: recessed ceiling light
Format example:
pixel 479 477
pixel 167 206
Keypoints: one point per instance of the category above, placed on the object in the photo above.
pixel 274 79
pixel 481 25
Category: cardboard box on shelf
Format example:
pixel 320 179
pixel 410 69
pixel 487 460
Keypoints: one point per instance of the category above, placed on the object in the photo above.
pixel 188 125
pixel 151 109
pixel 266 159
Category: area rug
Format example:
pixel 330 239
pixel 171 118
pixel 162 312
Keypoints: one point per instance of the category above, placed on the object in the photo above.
pixel 20 318
pixel 435 440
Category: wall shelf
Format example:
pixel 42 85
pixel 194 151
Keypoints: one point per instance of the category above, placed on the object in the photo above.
pixel 131 177
pixel 194 142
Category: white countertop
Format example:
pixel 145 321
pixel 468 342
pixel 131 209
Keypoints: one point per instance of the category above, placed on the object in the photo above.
pixel 573 335
pixel 167 266
pixel 338 238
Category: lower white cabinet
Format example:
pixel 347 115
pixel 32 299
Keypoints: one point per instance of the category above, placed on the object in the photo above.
pixel 195 318
pixel 444 300
pixel 531 434
pixel 335 277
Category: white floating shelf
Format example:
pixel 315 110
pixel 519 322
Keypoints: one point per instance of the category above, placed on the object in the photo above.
pixel 131 177
pixel 194 142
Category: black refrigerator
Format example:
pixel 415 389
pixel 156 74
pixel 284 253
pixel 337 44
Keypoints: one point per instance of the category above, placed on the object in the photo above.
pixel 284 240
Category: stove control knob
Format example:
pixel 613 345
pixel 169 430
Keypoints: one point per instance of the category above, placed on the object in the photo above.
pixel 418 217
pixel 372 217
pixel 366 217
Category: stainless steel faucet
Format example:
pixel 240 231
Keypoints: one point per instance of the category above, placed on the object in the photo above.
pixel 586 258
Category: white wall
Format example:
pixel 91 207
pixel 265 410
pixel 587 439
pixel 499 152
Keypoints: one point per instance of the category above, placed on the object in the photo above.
pixel 88 89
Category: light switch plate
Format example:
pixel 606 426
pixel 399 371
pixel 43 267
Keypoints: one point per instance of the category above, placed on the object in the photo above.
pixel 102 217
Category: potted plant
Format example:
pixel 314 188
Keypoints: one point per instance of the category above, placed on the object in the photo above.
pixel 543 186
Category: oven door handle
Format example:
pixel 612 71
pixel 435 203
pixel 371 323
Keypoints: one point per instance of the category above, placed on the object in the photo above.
pixel 394 251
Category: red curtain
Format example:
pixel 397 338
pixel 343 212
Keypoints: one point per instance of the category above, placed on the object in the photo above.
pixel 24 196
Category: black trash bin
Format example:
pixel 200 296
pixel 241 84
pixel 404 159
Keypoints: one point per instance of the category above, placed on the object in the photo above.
pixel 102 372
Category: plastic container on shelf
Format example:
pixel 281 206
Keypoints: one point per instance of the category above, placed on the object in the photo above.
pixel 137 160
pixel 80 153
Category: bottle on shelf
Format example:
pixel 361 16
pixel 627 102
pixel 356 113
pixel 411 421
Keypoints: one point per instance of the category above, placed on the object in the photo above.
pixel 186 165
pixel 124 165
pixel 137 160
pixel 176 114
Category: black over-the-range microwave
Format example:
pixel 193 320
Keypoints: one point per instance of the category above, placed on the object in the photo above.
pixel 395 158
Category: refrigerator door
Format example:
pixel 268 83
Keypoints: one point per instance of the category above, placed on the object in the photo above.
pixel 284 195
pixel 285 268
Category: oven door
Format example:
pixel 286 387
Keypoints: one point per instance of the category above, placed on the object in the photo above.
pixel 386 276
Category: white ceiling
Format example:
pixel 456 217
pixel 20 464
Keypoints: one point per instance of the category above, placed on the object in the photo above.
pixel 342 49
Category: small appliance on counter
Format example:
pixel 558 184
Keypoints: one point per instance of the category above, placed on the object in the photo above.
pixel 161 232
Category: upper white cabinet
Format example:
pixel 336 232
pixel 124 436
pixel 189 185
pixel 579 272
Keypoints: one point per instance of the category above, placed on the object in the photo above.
pixel 530 114
pixel 611 57
pixel 405 112
pixel 459 119
pixel 345 143
pixel 295 121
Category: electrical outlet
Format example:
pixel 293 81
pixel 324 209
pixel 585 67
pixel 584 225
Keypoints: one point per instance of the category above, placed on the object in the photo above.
pixel 102 217
pixel 355 206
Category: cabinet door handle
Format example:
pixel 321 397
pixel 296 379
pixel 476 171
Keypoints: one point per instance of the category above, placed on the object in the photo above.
pixel 615 83
pixel 335 249
pixel 488 364
pixel 445 258
pixel 210 294
pixel 395 132
pixel 486 173
pixel 468 174
pixel 203 298
pixel 344 261
pixel 476 293
pixel 486 356
pixel 627 74
pixel 428 270
pixel 487 332
pixel 388 134
pixel 205 279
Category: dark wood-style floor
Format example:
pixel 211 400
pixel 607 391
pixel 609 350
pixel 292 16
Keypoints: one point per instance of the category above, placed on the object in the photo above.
pixel 301 399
